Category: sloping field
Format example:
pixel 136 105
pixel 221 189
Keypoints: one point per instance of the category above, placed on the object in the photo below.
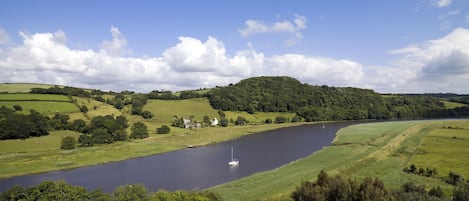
pixel 451 105
pixel 445 148
pixel 35 144
pixel 34 97
pixel 165 110
pixel 44 107
pixel 21 87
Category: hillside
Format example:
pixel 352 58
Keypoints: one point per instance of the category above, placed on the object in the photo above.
pixel 317 103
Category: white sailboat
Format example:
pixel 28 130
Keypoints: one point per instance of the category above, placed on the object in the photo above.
pixel 233 161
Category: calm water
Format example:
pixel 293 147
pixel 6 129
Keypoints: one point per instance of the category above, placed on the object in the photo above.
pixel 197 168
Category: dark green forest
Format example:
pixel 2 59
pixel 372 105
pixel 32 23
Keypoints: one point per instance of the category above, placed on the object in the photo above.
pixel 318 103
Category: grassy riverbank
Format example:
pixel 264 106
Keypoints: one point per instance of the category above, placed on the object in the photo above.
pixel 35 155
pixel 375 150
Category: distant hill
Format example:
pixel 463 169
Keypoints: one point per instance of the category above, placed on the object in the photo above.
pixel 313 103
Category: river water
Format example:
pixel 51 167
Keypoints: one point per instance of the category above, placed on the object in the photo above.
pixel 197 168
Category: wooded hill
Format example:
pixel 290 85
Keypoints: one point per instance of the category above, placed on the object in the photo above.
pixel 317 103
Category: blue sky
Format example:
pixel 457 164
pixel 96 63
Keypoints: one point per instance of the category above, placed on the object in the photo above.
pixel 389 46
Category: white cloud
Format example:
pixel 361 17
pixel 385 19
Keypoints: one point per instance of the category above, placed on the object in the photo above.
pixel 294 28
pixel 440 65
pixel 443 3
pixel 190 64
pixel 4 38
pixel 118 45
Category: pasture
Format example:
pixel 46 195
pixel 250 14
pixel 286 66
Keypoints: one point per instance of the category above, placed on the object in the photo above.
pixel 445 148
pixel 451 105
pixel 44 107
pixel 21 87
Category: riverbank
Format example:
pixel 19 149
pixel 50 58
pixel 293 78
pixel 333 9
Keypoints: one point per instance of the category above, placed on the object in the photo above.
pixel 363 150
pixel 31 161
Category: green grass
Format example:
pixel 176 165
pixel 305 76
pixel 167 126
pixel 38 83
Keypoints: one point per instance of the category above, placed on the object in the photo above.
pixel 21 87
pixel 452 105
pixel 34 97
pixel 44 107
pixel 364 150
pixel 164 110
pixel 35 144
pixel 446 149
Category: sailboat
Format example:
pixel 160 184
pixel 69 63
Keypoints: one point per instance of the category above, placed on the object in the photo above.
pixel 233 161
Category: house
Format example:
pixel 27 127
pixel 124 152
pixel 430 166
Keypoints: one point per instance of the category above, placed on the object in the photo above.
pixel 214 122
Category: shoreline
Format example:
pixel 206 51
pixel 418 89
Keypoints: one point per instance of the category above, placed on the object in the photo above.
pixel 20 164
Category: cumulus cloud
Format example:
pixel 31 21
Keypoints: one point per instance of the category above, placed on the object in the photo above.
pixel 440 65
pixel 118 45
pixel 294 28
pixel 4 38
pixel 189 64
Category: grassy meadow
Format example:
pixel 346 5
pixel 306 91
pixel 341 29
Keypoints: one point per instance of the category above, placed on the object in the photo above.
pixel 451 105
pixel 363 150
pixel 21 87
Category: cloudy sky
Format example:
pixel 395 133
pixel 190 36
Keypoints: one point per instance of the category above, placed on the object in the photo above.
pixel 399 46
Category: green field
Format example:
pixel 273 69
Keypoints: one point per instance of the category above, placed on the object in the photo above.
pixel 451 105
pixel 446 149
pixel 44 107
pixel 34 97
pixel 21 87
pixel 364 150
pixel 35 144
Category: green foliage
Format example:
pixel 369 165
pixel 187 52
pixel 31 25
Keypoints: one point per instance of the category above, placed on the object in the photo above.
pixel 240 121
pixel 178 122
pixel 70 91
pixel 84 109
pixel 163 129
pixel 224 122
pixel 17 108
pixel 339 188
pixel 102 130
pixel 20 126
pixel 139 131
pixel 268 121
pixel 461 192
pixel 280 120
pixel 50 190
pixel 319 103
pixel 68 143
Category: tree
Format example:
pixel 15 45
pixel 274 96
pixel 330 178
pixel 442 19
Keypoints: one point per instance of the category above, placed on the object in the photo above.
pixel 68 143
pixel 139 131
pixel 163 130
pixel 280 119
pixel 130 192
pixel 84 109
pixel 206 120
pixel 147 114
pixel 17 108
pixel 461 192
pixel 224 122
pixel 240 121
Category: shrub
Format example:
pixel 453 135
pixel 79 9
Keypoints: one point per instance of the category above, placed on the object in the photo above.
pixel 68 143
pixel 163 129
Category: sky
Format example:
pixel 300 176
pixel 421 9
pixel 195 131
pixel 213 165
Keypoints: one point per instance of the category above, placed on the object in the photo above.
pixel 399 46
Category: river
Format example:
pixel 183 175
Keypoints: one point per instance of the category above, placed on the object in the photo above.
pixel 197 168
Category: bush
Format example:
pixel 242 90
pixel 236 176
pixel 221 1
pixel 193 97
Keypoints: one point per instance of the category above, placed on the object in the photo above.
pixel 224 122
pixel 68 143
pixel 147 114
pixel 139 131
pixel 268 121
pixel 17 108
pixel 280 119
pixel 163 130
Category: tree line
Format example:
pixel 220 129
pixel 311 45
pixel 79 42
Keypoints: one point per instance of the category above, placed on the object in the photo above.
pixel 318 103
pixel 51 190
pixel 21 126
